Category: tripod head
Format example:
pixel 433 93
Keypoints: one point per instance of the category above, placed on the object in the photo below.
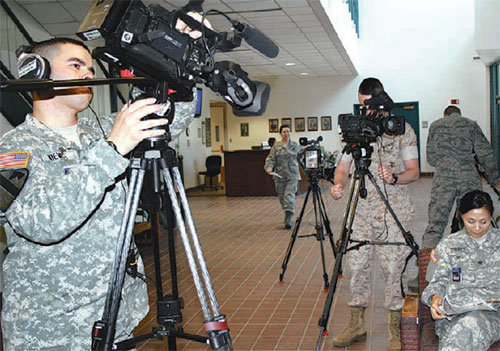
pixel 163 95
pixel 361 153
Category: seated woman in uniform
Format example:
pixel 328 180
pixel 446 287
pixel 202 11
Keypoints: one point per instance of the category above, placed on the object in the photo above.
pixel 464 279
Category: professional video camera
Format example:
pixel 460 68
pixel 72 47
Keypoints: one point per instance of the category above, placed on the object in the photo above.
pixel 144 39
pixel 312 160
pixel 372 122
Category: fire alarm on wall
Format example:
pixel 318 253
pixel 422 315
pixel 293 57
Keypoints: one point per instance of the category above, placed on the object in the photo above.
pixel 454 101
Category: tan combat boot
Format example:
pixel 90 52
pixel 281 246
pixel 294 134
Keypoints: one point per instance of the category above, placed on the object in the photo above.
pixel 355 330
pixel 394 330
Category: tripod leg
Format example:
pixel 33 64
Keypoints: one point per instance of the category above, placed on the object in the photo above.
pixel 196 242
pixel 326 223
pixel 187 245
pixel 347 222
pixel 319 234
pixel 119 268
pixel 406 235
pixel 192 264
pixel 223 334
pixel 293 237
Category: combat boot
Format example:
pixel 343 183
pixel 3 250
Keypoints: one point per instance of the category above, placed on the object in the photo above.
pixel 355 330
pixel 288 219
pixel 394 330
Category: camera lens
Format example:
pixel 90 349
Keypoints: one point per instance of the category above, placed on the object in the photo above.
pixel 392 125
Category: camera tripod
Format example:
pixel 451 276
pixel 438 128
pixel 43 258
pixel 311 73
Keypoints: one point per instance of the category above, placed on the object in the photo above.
pixel 358 189
pixel 322 223
pixel 161 160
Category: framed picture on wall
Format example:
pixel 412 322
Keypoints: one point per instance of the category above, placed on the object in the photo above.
pixel 244 129
pixel 287 122
pixel 312 124
pixel 326 122
pixel 300 124
pixel 273 125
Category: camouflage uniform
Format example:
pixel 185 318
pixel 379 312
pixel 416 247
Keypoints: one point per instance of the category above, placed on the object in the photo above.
pixel 373 221
pixel 62 234
pixel 466 272
pixel 283 159
pixel 451 145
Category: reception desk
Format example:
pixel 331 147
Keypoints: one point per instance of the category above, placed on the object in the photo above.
pixel 245 175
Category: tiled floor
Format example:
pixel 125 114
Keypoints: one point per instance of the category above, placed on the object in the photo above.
pixel 244 245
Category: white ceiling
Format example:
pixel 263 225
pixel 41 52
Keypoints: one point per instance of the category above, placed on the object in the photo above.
pixel 300 28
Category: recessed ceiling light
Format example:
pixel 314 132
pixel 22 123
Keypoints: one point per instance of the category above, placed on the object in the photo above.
pixel 304 74
pixel 289 64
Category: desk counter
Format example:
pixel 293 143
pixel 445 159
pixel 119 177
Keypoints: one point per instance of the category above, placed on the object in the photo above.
pixel 245 175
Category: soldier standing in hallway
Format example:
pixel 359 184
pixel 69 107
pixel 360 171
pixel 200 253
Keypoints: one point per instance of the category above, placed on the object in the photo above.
pixel 395 160
pixel 453 146
pixel 283 164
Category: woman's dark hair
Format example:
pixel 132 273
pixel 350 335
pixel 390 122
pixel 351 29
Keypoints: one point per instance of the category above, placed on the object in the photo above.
pixel 284 126
pixel 475 199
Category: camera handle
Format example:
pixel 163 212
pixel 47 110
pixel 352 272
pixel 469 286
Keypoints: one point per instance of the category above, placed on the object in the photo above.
pixel 215 324
pixel 357 185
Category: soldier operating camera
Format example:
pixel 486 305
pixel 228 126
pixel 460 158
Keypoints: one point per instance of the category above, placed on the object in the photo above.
pixel 395 159
pixel 62 228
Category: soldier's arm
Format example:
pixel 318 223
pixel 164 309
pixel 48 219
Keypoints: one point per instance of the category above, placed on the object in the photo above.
pixel 412 172
pixel 485 155
pixel 184 115
pixel 270 160
pixel 440 277
pixel 409 154
pixel 49 209
pixel 431 147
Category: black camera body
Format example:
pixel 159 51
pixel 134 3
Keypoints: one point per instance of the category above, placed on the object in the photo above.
pixel 374 120
pixel 312 160
pixel 145 39
pixel 366 128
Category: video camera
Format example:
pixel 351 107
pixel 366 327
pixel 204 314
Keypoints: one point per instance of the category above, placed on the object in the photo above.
pixel 313 161
pixel 372 122
pixel 144 39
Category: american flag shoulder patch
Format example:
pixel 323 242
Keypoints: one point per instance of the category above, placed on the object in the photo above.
pixel 14 159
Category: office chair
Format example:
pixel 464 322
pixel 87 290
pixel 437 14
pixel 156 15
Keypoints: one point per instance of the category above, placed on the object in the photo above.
pixel 213 164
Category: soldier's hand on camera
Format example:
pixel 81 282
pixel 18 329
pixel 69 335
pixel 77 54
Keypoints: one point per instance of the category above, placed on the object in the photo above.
pixel 129 129
pixel 268 171
pixel 182 27
pixel 436 311
pixel 386 174
pixel 337 191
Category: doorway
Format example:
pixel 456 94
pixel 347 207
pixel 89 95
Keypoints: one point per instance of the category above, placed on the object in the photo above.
pixel 218 130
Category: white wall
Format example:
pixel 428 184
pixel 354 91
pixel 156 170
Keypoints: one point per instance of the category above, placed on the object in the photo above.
pixel 291 98
pixel 193 151
pixel 487 30
pixel 422 51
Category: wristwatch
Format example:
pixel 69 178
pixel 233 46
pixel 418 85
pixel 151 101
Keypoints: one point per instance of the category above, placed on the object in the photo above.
pixel 395 176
